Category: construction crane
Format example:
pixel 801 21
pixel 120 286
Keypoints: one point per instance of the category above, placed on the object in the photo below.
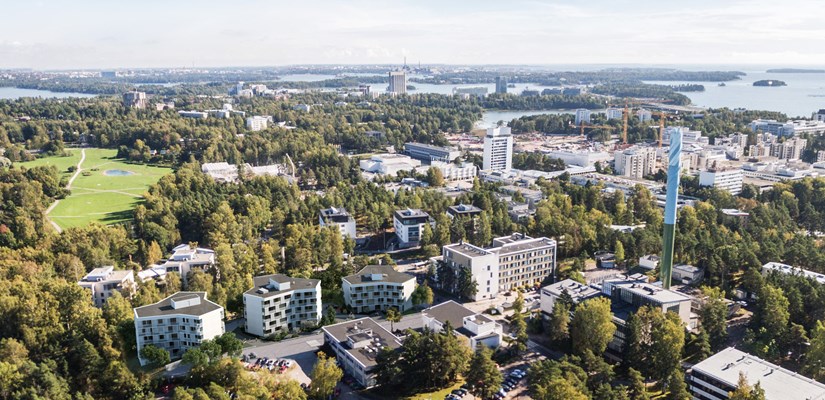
pixel 661 127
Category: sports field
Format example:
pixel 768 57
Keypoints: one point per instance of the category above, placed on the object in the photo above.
pixel 108 194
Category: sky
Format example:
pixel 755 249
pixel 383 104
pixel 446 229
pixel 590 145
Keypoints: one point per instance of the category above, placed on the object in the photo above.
pixel 49 34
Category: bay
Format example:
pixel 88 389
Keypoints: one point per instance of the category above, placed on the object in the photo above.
pixel 14 93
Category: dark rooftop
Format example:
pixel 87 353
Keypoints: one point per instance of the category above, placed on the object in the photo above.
pixel 262 282
pixel 164 307
pixel 449 311
pixel 387 272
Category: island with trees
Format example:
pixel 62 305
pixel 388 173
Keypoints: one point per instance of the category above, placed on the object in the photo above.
pixel 770 83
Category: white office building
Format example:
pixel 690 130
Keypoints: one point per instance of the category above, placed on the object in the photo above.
pixel 277 303
pixel 378 288
pixel 729 180
pixel 398 82
pixel 193 114
pixel 579 292
pixel 409 225
pixel 582 116
pixel 636 162
pixel 338 216
pixel 428 152
pixel 356 345
pixel 105 281
pixel 178 322
pixel 463 171
pixel 786 269
pixel 473 328
pixel 498 149
pixel 717 376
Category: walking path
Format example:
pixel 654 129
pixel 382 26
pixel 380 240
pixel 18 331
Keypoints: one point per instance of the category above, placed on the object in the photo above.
pixel 68 186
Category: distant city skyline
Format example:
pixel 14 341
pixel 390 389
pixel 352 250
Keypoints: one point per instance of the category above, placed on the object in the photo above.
pixel 50 34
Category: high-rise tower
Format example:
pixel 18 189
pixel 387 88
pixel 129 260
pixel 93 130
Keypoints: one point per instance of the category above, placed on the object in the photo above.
pixel 674 167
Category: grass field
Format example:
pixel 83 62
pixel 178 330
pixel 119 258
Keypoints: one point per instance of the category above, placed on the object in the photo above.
pixel 100 197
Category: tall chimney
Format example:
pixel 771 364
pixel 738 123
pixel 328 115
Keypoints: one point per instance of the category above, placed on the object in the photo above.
pixel 674 167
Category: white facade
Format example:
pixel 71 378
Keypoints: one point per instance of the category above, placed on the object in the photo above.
pixel 579 292
pixel 717 376
pixel 398 82
pixel 356 345
pixel 428 152
pixel 635 162
pixel 336 216
pixel 409 225
pixel 184 259
pixel 482 265
pixel 278 303
pixel 378 288
pixel 472 327
pixel 614 113
pixel 791 270
pixel 389 164
pixel 729 180
pixel 135 100
pixel 178 322
pixel 193 114
pixel 790 149
pixel 644 115
pixel 257 122
pixel 582 116
pixel 498 149
pixel 105 281
pixel 466 171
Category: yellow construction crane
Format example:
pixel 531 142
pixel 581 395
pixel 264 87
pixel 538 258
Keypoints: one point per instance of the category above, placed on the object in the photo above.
pixel 661 127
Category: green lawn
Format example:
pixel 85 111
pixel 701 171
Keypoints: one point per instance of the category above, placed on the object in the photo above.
pixel 100 197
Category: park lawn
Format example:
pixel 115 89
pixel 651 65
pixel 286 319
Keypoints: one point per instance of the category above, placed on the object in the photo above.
pixel 436 395
pixel 62 163
pixel 99 197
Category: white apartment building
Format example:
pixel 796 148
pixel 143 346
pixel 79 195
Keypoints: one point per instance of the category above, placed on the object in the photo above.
pixel 257 122
pixel 717 376
pixel 635 162
pixel 465 171
pixel 134 99
pixel 105 281
pixel 178 322
pixel 277 303
pixel 378 288
pixel 338 216
pixel 729 180
pixel 820 156
pixel 398 82
pixel 583 116
pixel 356 344
pixel 614 113
pixel 790 149
pixel 498 149
pixel 472 327
pixel 409 225
pixel 644 115
pixel 512 262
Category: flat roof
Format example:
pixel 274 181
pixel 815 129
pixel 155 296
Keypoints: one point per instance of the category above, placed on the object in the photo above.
pixel 467 249
pixel 524 245
pixel 294 284
pixel 411 213
pixel 363 329
pixel 654 292
pixel 578 291
pixel 449 311
pixel 430 146
pixel 778 382
pixel 387 272
pixel 164 307
pixel 464 209
pixel 791 270
pixel 334 211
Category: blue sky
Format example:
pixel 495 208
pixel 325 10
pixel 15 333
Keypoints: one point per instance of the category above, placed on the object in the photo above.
pixel 174 33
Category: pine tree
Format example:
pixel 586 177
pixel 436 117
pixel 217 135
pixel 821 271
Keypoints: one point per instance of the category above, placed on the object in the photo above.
pixel 677 389
pixel 483 375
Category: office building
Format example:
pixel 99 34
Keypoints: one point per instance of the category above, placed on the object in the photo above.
pixel 409 224
pixel 178 322
pixel 469 92
pixel 785 269
pixel 686 274
pixel 278 304
pixel 729 180
pixel 398 82
pixel 688 136
pixel 515 261
pixel 819 115
pixel 364 90
pixel 339 217
pixel 820 156
pixel 614 113
pixel 463 171
pixel 579 292
pixel 134 99
pixel 257 122
pixel 389 164
pixel 717 376
pixel 501 85
pixel 498 149
pixel 378 288
pixel 428 152
pixel 649 262
pixel 772 126
pixel 473 328
pixel 636 162
pixel 105 281
pixel 356 345
pixel 582 116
